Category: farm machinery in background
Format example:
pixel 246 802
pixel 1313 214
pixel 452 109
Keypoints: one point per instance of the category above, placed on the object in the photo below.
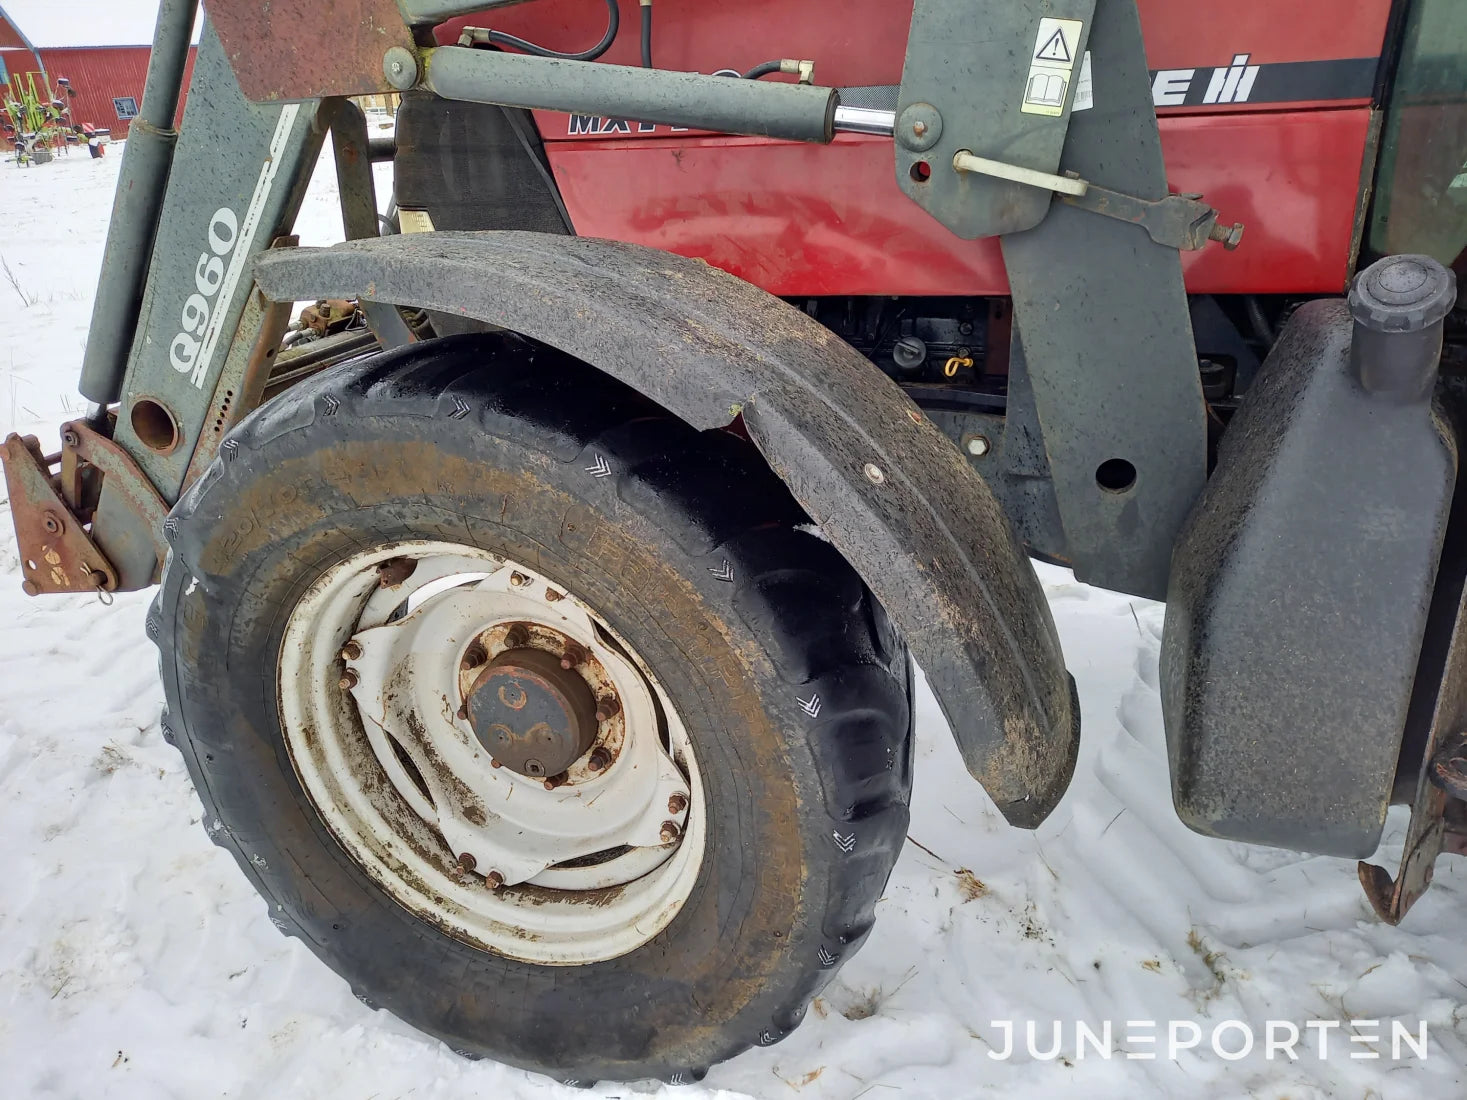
pixel 36 120
pixel 536 621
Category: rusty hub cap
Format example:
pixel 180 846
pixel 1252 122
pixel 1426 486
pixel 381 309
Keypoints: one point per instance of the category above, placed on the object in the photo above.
pixel 533 716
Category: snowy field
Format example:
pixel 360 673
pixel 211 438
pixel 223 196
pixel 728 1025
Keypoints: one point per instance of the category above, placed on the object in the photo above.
pixel 136 961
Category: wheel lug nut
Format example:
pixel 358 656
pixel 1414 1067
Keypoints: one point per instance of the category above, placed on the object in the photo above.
pixel 463 713
pixel 348 680
pixel 516 637
pixel 555 781
pixel 608 707
pixel 351 651
pixel 494 880
pixel 552 595
pixel 574 655
pixel 670 832
pixel 495 763
pixel 600 760
pixel 677 803
pixel 518 580
pixel 475 656
pixel 467 861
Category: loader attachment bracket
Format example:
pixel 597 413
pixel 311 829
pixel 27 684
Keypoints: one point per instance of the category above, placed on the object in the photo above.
pixel 884 485
pixel 56 552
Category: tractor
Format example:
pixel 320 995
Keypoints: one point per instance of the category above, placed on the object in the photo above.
pixel 537 614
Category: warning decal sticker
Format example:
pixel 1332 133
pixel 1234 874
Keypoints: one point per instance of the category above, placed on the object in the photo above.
pixel 1056 49
pixel 1052 67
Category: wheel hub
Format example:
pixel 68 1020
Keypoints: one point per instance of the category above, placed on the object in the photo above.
pixel 531 715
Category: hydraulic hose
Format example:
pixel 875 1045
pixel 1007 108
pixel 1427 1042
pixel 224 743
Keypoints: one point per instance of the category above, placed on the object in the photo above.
pixel 613 24
pixel 646 34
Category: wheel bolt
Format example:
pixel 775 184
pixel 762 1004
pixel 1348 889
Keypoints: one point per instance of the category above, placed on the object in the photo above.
pixel 670 832
pixel 518 580
pixel 600 759
pixel 348 680
pixel 467 861
pixel 463 713
pixel 351 651
pixel 516 637
pixel 555 781
pixel 574 655
pixel 494 880
pixel 607 708
pixel 475 656
pixel 677 803
pixel 495 763
pixel 552 595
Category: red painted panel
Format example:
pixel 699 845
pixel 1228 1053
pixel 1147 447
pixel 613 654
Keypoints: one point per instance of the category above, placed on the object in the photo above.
pixel 810 220
pixel 98 74
pixel 863 41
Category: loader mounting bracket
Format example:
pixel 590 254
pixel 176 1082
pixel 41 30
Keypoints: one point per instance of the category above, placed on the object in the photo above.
pixel 885 486
pixel 64 542
pixel 56 552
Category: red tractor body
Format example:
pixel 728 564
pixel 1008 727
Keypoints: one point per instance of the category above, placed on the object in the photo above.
pixel 1284 156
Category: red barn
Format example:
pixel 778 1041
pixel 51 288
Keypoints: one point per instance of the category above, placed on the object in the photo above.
pixel 108 80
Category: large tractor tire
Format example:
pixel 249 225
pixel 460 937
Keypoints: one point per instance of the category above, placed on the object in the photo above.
pixel 541 717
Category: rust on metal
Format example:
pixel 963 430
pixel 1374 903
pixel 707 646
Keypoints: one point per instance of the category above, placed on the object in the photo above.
pixel 394 571
pixel 1436 819
pixel 57 553
pixel 334 53
pixel 241 389
pixel 124 478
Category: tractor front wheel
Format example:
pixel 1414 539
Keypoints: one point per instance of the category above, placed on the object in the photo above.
pixel 539 716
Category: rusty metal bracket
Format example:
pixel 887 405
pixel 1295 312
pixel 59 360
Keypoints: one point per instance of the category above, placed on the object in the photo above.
pixel 1182 222
pixel 124 477
pixel 1428 834
pixel 57 553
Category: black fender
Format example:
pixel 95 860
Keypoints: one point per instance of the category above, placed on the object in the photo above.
pixel 886 487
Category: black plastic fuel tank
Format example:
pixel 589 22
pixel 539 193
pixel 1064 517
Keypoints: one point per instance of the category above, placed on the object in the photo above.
pixel 1301 582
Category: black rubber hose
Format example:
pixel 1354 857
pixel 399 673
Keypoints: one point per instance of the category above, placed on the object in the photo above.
pixel 499 38
pixel 763 70
pixel 1261 328
pixel 647 36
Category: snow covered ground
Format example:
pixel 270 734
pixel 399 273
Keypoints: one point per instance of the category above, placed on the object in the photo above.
pixel 136 961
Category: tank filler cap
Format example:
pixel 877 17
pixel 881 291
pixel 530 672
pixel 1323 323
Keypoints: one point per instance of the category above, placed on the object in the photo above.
pixel 1406 293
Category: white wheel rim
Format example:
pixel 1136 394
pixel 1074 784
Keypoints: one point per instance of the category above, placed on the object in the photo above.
pixel 407 788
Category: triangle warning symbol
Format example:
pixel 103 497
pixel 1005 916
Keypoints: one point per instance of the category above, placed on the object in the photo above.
pixel 1056 49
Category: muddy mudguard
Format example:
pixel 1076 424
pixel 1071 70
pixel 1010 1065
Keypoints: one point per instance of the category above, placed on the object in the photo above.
pixel 884 485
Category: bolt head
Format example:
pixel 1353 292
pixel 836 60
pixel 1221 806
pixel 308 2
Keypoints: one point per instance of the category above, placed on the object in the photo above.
pixel 670 832
pixel 978 446
pixel 552 595
pixel 351 651
pixel 348 680
pixel 467 861
pixel 919 127
pixel 677 803
pixel 600 760
pixel 518 580
pixel 494 880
